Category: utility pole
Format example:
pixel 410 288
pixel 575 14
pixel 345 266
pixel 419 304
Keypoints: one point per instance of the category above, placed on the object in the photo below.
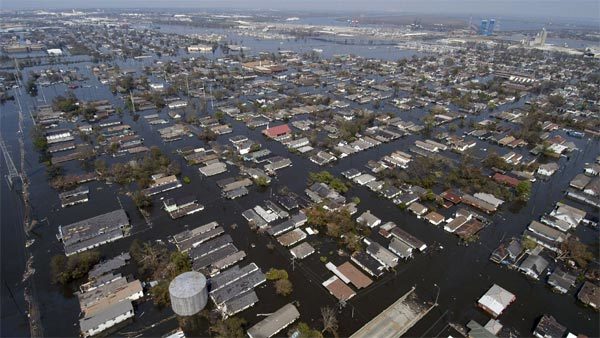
pixel 132 102
pixel 43 95
pixel 187 84
pixel 212 107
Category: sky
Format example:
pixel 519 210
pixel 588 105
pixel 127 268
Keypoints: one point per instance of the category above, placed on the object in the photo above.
pixel 589 9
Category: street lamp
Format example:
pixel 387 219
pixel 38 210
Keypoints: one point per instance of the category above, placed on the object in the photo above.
pixel 437 295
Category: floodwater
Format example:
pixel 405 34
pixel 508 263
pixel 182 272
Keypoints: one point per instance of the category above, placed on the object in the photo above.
pixel 463 273
pixel 329 49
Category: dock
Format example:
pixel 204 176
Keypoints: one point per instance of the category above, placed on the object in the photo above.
pixel 396 320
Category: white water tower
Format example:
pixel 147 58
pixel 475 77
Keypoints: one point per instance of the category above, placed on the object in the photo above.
pixel 188 293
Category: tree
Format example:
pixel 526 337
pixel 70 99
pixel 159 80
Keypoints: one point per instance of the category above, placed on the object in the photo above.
pixel 577 251
pixel 39 140
pixel 493 160
pixel 57 265
pixel 150 258
pixel 556 100
pixel 232 327
pixel 523 190
pixel 141 200
pixel 283 287
pixel 305 331
pixel 31 87
pixel 207 135
pixel 330 322
pixel 100 166
pixel 160 294
pixel 261 181
pixel 219 115
pixel 528 243
pixel 255 147
pixel 54 171
pixel 65 104
pixel 65 269
pixel 179 262
pixel 276 274
pixel 327 178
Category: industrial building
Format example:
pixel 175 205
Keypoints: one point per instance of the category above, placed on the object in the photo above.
pixel 93 232
pixel 275 322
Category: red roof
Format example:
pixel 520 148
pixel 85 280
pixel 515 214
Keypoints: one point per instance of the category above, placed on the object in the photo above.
pixel 451 196
pixel 513 182
pixel 277 130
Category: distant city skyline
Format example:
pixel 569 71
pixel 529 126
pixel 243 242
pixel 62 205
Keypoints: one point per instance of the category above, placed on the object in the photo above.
pixel 588 9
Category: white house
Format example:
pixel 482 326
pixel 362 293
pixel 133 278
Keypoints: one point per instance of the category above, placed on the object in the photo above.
pixel 547 169
pixel 54 52
pixel 107 318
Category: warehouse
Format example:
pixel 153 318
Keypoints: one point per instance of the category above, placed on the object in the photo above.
pixel 213 257
pixel 93 232
pixel 275 322
pixel 188 238
pixel 210 246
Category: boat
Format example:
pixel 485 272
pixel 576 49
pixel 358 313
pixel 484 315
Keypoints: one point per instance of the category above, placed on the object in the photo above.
pixel 575 133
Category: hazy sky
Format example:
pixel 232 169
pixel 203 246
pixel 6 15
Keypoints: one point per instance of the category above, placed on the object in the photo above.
pixel 529 8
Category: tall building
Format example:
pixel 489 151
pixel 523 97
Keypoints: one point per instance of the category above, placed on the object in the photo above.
pixel 491 25
pixel 543 36
pixel 487 27
pixel 483 27
pixel 540 39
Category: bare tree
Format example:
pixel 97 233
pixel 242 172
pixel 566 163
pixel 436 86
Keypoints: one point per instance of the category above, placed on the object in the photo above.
pixel 330 322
